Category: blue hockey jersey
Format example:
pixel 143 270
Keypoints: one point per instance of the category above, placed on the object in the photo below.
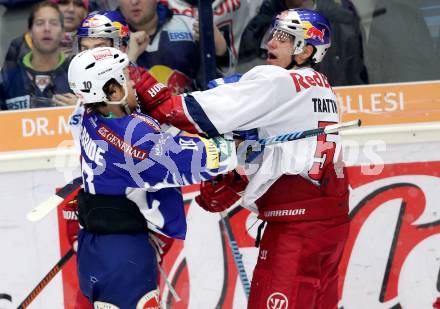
pixel 122 155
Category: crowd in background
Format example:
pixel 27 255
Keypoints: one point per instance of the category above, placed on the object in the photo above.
pixel 401 43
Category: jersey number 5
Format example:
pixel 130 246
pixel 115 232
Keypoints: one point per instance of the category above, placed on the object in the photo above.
pixel 324 153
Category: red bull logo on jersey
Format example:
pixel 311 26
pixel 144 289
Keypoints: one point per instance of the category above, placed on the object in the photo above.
pixel 306 81
pixel 311 32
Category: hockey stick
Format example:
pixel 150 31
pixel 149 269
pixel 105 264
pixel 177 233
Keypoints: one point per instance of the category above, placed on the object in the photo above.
pixel 308 133
pixel 236 254
pixel 44 208
pixel 45 281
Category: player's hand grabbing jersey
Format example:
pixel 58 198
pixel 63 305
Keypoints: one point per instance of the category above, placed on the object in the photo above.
pixel 275 101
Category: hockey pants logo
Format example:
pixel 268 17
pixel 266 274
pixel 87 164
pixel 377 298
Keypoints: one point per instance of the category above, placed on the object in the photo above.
pixel 277 301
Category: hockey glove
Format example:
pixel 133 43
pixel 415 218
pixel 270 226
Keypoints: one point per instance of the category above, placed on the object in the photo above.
pixel 437 303
pixel 151 93
pixel 222 192
pixel 70 214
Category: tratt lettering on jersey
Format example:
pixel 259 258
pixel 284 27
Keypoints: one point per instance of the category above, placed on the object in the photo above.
pixel 120 144
pixel 92 150
pixel 306 81
pixel 325 105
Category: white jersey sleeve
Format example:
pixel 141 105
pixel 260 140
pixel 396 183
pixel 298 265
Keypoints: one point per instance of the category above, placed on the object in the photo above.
pixel 246 104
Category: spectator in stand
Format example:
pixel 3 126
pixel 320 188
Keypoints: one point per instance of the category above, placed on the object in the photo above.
pixel 387 60
pixel 171 54
pixel 344 64
pixel 42 72
pixel 74 11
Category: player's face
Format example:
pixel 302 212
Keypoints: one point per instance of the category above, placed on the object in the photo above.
pixel 74 12
pixel 89 43
pixel 280 49
pixel 138 12
pixel 131 92
pixel 46 30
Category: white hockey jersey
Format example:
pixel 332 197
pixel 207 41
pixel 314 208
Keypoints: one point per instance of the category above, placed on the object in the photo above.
pixel 275 101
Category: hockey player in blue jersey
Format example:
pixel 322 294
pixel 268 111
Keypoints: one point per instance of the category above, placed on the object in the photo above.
pixel 109 29
pixel 123 150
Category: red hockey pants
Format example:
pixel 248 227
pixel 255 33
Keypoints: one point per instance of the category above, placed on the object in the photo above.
pixel 297 266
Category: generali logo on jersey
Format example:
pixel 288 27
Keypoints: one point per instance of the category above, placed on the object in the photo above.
pixel 102 54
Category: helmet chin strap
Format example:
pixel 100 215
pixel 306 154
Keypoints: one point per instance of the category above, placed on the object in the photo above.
pixel 308 63
pixel 122 102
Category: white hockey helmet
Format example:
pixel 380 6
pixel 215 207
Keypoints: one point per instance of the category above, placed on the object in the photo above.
pixel 91 69
pixel 307 27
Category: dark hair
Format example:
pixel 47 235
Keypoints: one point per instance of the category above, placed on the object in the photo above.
pixel 108 89
pixel 41 5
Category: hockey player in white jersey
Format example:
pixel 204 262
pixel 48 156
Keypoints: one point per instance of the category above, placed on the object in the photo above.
pixel 295 187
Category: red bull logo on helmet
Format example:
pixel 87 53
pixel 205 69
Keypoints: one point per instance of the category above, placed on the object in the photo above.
pixel 311 32
pixel 93 21
pixel 283 15
pixel 123 29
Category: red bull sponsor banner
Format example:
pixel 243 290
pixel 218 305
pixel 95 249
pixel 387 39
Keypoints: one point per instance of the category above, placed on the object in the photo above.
pixel 391 260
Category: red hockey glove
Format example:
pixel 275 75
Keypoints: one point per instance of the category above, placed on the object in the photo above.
pixel 150 92
pixel 70 214
pixel 222 192
pixel 437 303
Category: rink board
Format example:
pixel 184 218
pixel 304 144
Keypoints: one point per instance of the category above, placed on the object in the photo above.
pixel 392 257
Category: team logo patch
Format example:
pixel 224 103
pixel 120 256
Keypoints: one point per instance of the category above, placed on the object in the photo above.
pixel 212 154
pixel 277 301
pixel 149 301
pixel 42 81
pixel 102 54
pixel 103 305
